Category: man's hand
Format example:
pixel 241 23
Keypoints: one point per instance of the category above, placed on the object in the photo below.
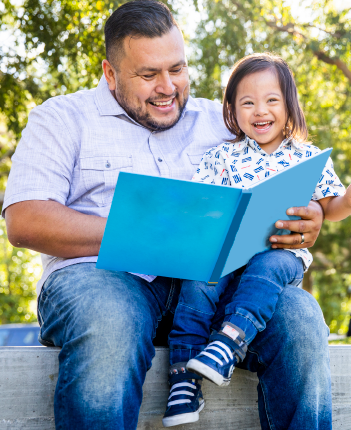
pixel 310 224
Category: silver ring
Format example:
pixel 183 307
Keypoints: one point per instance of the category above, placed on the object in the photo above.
pixel 302 239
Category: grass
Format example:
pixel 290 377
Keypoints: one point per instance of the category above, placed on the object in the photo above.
pixel 346 341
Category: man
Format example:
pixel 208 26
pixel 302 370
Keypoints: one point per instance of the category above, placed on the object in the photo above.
pixel 140 118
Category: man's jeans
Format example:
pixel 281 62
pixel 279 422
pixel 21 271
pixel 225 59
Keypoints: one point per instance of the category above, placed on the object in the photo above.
pixel 259 285
pixel 105 322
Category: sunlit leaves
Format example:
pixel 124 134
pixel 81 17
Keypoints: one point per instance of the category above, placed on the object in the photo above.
pixel 20 270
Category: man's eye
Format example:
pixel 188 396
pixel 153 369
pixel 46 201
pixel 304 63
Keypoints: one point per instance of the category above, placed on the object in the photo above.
pixel 148 76
pixel 177 70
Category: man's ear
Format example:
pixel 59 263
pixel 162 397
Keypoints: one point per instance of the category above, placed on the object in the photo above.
pixel 110 75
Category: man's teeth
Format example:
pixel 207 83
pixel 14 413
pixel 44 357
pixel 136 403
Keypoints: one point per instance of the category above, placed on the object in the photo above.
pixel 163 103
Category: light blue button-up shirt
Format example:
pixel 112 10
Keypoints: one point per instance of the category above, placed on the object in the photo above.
pixel 74 146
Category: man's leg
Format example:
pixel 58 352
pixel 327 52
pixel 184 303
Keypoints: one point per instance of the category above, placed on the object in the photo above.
pixel 105 322
pixel 291 358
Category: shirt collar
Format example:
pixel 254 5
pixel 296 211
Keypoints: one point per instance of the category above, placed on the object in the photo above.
pixel 286 143
pixel 108 105
pixel 105 102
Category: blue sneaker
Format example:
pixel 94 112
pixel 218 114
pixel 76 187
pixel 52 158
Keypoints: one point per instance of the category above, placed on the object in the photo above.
pixel 185 400
pixel 218 360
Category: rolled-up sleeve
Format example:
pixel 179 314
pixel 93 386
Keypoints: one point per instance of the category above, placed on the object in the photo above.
pixel 42 166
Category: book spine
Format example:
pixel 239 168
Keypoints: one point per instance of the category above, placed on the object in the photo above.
pixel 230 238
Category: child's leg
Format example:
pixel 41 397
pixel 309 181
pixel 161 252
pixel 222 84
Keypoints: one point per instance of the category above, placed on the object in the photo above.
pixel 252 306
pixel 189 335
pixel 254 302
pixel 196 307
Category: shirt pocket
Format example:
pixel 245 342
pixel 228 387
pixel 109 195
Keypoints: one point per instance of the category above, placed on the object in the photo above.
pixel 99 176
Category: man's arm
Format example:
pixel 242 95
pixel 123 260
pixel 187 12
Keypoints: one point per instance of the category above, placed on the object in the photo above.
pixel 52 228
pixel 310 224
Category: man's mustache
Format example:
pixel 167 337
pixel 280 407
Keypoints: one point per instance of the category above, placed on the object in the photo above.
pixel 162 98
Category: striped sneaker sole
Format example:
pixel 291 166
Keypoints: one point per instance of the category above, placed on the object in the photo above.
pixel 190 417
pixel 207 372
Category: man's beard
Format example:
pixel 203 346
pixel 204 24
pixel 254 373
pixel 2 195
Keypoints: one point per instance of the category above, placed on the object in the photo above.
pixel 144 118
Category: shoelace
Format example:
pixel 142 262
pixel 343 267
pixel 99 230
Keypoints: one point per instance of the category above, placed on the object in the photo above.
pixel 181 392
pixel 222 352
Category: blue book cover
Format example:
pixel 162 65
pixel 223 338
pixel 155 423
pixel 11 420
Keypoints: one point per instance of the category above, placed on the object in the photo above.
pixel 189 230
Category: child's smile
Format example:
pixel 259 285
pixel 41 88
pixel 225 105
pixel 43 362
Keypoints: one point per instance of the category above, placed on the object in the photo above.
pixel 260 109
pixel 263 126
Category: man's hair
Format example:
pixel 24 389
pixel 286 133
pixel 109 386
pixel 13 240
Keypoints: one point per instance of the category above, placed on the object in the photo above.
pixel 295 126
pixel 137 18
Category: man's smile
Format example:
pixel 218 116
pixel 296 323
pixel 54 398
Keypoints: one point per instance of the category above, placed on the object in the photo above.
pixel 167 103
pixel 163 106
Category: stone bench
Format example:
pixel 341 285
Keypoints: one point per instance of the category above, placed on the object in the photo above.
pixel 28 377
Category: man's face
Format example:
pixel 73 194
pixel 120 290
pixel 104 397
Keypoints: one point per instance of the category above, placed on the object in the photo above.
pixel 152 81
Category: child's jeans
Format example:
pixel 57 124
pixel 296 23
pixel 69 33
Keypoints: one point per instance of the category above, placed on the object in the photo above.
pixel 253 304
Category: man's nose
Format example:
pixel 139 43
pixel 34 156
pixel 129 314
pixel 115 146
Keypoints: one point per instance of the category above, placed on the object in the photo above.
pixel 165 84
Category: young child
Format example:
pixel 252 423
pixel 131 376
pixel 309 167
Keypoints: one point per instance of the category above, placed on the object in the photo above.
pixel 261 109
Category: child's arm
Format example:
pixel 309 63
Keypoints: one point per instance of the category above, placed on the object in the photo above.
pixel 337 208
pixel 212 169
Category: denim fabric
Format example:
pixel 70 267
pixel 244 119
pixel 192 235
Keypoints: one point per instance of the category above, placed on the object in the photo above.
pixel 105 322
pixel 251 307
pixel 193 317
pixel 263 280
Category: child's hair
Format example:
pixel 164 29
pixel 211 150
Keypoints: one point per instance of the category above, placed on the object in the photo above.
pixel 295 125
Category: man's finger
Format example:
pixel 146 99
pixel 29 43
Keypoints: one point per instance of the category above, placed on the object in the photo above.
pixel 290 241
pixel 302 211
pixel 299 226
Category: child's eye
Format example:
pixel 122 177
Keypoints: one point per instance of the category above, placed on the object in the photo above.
pixel 248 103
pixel 272 100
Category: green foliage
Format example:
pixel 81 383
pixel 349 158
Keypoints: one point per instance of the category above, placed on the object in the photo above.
pixel 346 341
pixel 58 47
pixel 19 271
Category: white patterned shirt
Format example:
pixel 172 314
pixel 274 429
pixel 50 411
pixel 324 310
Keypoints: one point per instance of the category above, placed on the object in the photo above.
pixel 242 164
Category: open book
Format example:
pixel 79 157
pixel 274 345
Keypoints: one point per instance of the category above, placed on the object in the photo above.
pixel 189 230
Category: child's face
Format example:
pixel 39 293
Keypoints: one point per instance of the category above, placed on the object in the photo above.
pixel 260 109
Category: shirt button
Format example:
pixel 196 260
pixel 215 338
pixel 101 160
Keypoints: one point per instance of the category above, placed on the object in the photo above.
pixel 160 159
pixel 108 165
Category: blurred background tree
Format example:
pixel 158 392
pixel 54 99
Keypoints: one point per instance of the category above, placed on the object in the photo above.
pixel 54 47
pixel 19 272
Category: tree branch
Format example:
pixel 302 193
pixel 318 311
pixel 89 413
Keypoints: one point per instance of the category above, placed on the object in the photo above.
pixel 322 56
pixel 336 34
pixel 288 28
pixel 335 62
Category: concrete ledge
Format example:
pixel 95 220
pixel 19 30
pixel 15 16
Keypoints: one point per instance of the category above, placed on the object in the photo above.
pixel 28 377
